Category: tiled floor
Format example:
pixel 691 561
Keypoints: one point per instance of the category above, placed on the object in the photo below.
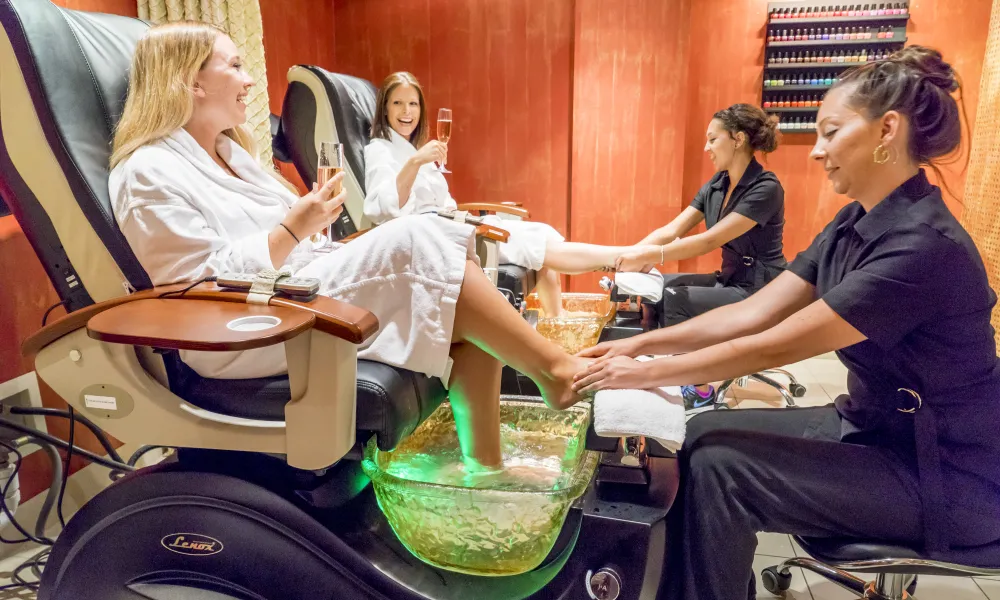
pixel 825 379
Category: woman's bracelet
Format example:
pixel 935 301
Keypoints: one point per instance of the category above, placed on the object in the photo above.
pixel 294 237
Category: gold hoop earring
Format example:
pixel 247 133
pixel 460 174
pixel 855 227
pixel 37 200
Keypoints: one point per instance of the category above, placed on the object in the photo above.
pixel 881 155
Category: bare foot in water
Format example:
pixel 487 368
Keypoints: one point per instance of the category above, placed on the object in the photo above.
pixel 558 392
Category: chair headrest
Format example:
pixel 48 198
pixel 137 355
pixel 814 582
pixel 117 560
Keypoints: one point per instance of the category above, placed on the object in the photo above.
pixel 324 106
pixel 65 76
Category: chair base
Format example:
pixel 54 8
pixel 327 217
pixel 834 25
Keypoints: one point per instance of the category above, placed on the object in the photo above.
pixel 887 586
pixel 794 389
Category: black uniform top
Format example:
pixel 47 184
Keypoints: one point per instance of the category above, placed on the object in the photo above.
pixel 755 258
pixel 909 277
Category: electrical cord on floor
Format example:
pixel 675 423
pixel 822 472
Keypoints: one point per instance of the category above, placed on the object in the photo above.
pixel 54 412
pixel 6 510
pixel 35 563
pixel 188 288
pixel 69 466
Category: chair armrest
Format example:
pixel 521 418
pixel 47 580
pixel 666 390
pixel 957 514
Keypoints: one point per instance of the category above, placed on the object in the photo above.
pixel 512 204
pixel 494 208
pixel 195 325
pixel 336 318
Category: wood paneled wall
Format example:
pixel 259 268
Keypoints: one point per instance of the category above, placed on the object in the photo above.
pixel 719 62
pixel 504 67
pixel 629 114
pixel 296 32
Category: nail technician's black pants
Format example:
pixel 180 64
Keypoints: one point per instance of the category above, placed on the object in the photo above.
pixel 688 295
pixel 782 471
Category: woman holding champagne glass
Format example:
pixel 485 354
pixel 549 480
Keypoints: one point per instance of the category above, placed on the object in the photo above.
pixel 400 180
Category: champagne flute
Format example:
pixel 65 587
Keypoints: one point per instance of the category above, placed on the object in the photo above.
pixel 444 132
pixel 331 162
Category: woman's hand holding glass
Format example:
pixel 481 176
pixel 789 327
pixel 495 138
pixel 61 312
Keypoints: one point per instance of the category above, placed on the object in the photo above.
pixel 432 151
pixel 317 209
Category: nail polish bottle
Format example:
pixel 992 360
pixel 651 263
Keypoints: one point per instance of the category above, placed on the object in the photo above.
pixel 881 33
pixel 851 12
pixel 864 11
pixel 904 8
pixel 882 11
pixel 856 56
pixel 868 34
pixel 767 104
pixel 812 34
pixel 802 80
pixel 890 32
pixel 855 34
pixel 826 34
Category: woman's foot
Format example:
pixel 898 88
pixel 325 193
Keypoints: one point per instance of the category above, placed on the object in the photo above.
pixel 557 391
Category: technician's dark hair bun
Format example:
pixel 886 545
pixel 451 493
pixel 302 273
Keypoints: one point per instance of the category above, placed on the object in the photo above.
pixel 918 83
pixel 760 128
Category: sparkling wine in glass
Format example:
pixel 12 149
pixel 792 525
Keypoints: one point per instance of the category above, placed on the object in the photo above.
pixel 444 131
pixel 331 162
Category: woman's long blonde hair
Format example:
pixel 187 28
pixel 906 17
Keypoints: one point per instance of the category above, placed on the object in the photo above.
pixel 160 100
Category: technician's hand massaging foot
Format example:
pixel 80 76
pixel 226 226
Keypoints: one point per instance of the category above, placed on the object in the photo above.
pixel 487 330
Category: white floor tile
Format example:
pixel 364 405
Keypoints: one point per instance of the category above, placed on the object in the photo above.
pixel 775 544
pixel 799 590
pixel 831 375
pixel 7 566
pixel 990 587
pixel 948 588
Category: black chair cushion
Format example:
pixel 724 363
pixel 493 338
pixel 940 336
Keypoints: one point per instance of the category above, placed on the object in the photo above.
pixel 518 280
pixel 837 551
pixel 391 402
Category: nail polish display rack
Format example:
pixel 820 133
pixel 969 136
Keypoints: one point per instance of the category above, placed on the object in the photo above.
pixel 810 43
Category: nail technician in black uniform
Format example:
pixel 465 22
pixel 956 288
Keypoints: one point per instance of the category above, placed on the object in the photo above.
pixel 897 287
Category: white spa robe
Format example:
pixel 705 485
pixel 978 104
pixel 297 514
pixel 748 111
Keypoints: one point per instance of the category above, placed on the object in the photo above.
pixel 186 218
pixel 384 159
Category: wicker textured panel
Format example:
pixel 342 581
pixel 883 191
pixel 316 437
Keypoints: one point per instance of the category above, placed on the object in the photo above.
pixel 981 216
pixel 241 19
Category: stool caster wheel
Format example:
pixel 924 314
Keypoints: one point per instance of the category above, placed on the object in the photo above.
pixel 797 389
pixel 721 406
pixel 775 581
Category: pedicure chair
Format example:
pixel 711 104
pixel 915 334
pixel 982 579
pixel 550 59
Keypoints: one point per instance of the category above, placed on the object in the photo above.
pixel 320 106
pixel 266 497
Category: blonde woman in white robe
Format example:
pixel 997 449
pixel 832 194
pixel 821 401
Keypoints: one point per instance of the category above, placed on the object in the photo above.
pixel 193 202
pixel 401 179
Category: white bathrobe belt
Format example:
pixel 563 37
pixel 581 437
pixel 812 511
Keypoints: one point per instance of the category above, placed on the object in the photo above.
pixel 263 285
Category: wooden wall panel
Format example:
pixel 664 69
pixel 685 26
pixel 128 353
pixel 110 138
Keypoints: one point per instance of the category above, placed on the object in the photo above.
pixel 296 32
pixel 503 67
pixel 629 117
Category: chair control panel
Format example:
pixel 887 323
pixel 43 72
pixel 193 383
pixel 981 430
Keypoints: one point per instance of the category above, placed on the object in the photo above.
pixel 290 286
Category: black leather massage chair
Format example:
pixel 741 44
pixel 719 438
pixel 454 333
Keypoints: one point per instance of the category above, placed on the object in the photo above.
pixel 321 106
pixel 268 468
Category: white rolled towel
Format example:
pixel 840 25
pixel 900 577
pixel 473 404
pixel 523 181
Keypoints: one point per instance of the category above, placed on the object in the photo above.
pixel 657 414
pixel 645 285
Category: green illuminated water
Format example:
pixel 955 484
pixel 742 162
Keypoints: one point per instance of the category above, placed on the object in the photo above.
pixel 492 523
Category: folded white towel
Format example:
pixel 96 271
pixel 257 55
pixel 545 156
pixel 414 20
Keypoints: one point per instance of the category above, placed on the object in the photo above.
pixel 645 285
pixel 657 413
